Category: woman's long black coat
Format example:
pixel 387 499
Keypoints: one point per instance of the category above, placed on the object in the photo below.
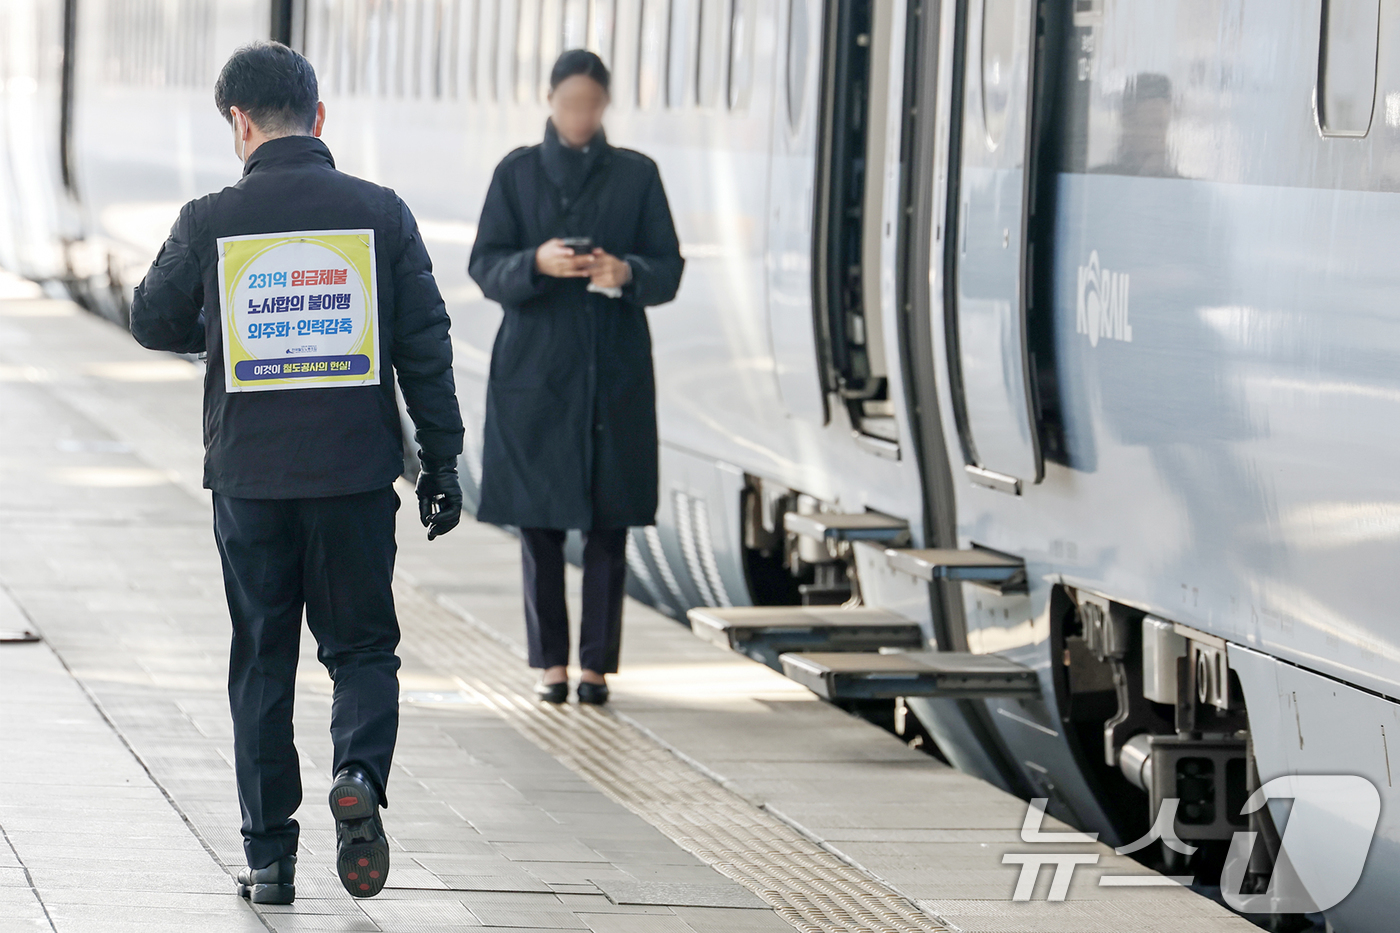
pixel 571 402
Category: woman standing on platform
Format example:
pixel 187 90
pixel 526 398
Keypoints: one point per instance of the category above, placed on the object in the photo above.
pixel 575 242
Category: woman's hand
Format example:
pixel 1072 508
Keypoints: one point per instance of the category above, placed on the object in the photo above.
pixel 608 271
pixel 555 259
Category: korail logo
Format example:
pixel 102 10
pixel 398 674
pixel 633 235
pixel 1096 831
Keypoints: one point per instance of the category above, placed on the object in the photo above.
pixel 1103 303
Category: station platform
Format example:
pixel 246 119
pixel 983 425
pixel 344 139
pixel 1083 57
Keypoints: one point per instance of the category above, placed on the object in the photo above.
pixel 712 796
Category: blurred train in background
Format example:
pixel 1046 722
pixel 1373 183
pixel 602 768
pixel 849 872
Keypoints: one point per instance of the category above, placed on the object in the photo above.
pixel 1097 291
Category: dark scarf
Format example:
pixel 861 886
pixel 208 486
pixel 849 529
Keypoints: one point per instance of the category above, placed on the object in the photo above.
pixel 569 168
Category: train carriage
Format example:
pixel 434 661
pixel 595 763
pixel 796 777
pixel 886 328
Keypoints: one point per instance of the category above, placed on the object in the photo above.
pixel 1057 329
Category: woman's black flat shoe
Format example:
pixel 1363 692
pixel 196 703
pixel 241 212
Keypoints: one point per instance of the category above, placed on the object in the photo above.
pixel 593 694
pixel 553 693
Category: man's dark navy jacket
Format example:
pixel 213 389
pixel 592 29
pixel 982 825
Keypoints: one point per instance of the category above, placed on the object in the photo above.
pixel 309 442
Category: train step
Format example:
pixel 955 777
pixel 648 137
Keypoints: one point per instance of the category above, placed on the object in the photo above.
pixel 847 526
pixel 848 676
pixel 1000 572
pixel 766 632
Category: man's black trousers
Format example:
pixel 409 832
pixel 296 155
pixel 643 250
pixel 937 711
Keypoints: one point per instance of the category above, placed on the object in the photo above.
pixel 334 557
pixel 604 586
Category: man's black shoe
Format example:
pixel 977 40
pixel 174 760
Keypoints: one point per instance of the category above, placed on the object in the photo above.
pixel 270 885
pixel 362 857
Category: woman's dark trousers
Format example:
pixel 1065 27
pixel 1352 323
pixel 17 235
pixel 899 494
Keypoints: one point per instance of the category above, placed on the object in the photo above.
pixel 334 557
pixel 604 585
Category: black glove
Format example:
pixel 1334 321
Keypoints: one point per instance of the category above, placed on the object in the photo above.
pixel 439 497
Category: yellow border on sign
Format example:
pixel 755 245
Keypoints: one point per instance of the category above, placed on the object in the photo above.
pixel 356 247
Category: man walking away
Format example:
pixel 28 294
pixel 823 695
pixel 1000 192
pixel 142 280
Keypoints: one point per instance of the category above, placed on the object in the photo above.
pixel 310 290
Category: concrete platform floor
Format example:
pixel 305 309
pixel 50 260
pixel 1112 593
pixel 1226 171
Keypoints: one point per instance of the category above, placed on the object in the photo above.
pixel 714 796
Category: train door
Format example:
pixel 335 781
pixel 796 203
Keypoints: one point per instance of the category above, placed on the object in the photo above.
pixel 791 195
pixel 987 339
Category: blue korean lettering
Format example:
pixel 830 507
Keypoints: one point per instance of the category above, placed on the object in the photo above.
pixel 267 280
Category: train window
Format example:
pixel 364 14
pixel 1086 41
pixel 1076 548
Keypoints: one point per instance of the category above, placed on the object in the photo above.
pixel 329 70
pixel 373 78
pixel 368 55
pixel 345 71
pixel 508 20
pixel 1000 38
pixel 601 25
pixel 442 39
pixel 418 50
pixel 419 59
pixel 680 68
pixel 409 39
pixel 448 44
pixel 383 50
pixel 742 19
pixel 798 51
pixel 399 47
pixel 651 50
pixel 356 30
pixel 1088 13
pixel 370 42
pixel 551 34
pixel 527 47
pixel 488 31
pixel 317 20
pixel 575 24
pixel 412 61
pixel 394 48
pixel 1346 74
pixel 152 46
pixel 709 85
pixel 474 24
pixel 463 67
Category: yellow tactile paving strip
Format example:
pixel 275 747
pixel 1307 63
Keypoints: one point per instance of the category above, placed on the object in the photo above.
pixel 808 886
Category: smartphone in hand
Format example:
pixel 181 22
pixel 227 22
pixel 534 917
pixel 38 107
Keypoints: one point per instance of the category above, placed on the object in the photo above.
pixel 581 245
